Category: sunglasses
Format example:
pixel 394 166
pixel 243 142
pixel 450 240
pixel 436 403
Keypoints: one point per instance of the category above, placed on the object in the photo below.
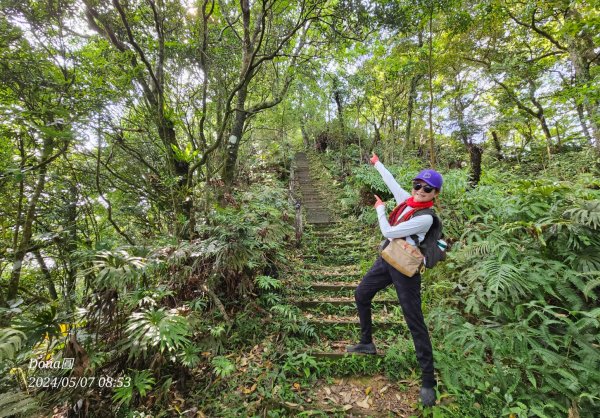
pixel 426 188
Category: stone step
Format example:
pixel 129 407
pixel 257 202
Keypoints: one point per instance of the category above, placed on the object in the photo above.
pixel 334 244
pixel 317 216
pixel 315 207
pixel 312 198
pixel 317 211
pixel 348 278
pixel 333 247
pixel 327 271
pixel 317 230
pixel 324 233
pixel 310 191
pixel 333 260
pixel 340 302
pixel 319 220
pixel 378 322
pixel 313 201
pixel 312 195
pixel 337 355
pixel 332 286
pixel 335 350
pixel 317 323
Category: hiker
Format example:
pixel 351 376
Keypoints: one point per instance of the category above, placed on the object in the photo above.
pixel 426 187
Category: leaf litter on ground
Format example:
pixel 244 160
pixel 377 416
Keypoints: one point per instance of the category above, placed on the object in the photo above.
pixel 368 395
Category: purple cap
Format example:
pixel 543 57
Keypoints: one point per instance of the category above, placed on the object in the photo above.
pixel 431 177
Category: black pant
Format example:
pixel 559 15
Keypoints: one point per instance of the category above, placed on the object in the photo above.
pixel 408 290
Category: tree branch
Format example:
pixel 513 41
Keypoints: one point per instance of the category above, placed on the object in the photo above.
pixel 229 22
pixel 546 55
pixel 107 32
pixel 135 44
pixel 108 204
pixel 535 28
pixel 515 99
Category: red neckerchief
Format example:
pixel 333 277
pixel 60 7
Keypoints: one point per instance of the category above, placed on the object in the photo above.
pixel 395 214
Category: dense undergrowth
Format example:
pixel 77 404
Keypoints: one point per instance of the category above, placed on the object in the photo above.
pixel 162 328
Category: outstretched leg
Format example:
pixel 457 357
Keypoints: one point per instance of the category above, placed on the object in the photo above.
pixel 408 290
pixel 376 279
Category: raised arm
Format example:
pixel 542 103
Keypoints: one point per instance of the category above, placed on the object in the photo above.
pixel 400 195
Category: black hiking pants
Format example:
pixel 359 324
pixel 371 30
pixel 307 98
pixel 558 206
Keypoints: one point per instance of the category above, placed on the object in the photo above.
pixel 408 290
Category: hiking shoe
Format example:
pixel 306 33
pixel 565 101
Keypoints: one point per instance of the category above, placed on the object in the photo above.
pixel 362 348
pixel 428 396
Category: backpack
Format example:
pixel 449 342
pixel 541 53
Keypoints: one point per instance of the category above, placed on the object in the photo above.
pixel 429 246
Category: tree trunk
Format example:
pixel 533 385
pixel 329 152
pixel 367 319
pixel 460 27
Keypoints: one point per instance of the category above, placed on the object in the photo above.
pixel 377 138
pixel 337 97
pixel 475 153
pixel 430 68
pixel 497 146
pixel 475 150
pixel 412 97
pixel 24 245
pixel 584 127
pixel 233 144
pixel 547 134
pixel 47 275
pixel 582 53
pixel 541 117
pixel 71 226
pixel 594 118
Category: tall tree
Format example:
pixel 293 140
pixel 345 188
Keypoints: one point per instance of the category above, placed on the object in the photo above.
pixel 261 46
pixel 566 28
pixel 42 98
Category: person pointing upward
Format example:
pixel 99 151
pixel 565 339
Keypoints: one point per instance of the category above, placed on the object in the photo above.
pixel 401 223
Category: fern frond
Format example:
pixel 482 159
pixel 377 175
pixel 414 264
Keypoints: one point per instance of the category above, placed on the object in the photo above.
pixel 268 283
pixel 287 311
pixel 115 268
pixel 11 341
pixel 567 292
pixel 502 278
pixel 308 330
pixel 588 214
pixel 223 366
pixel 156 329
pixel 15 404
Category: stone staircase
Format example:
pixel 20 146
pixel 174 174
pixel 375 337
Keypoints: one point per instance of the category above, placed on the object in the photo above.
pixel 311 199
pixel 333 255
pixel 325 295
